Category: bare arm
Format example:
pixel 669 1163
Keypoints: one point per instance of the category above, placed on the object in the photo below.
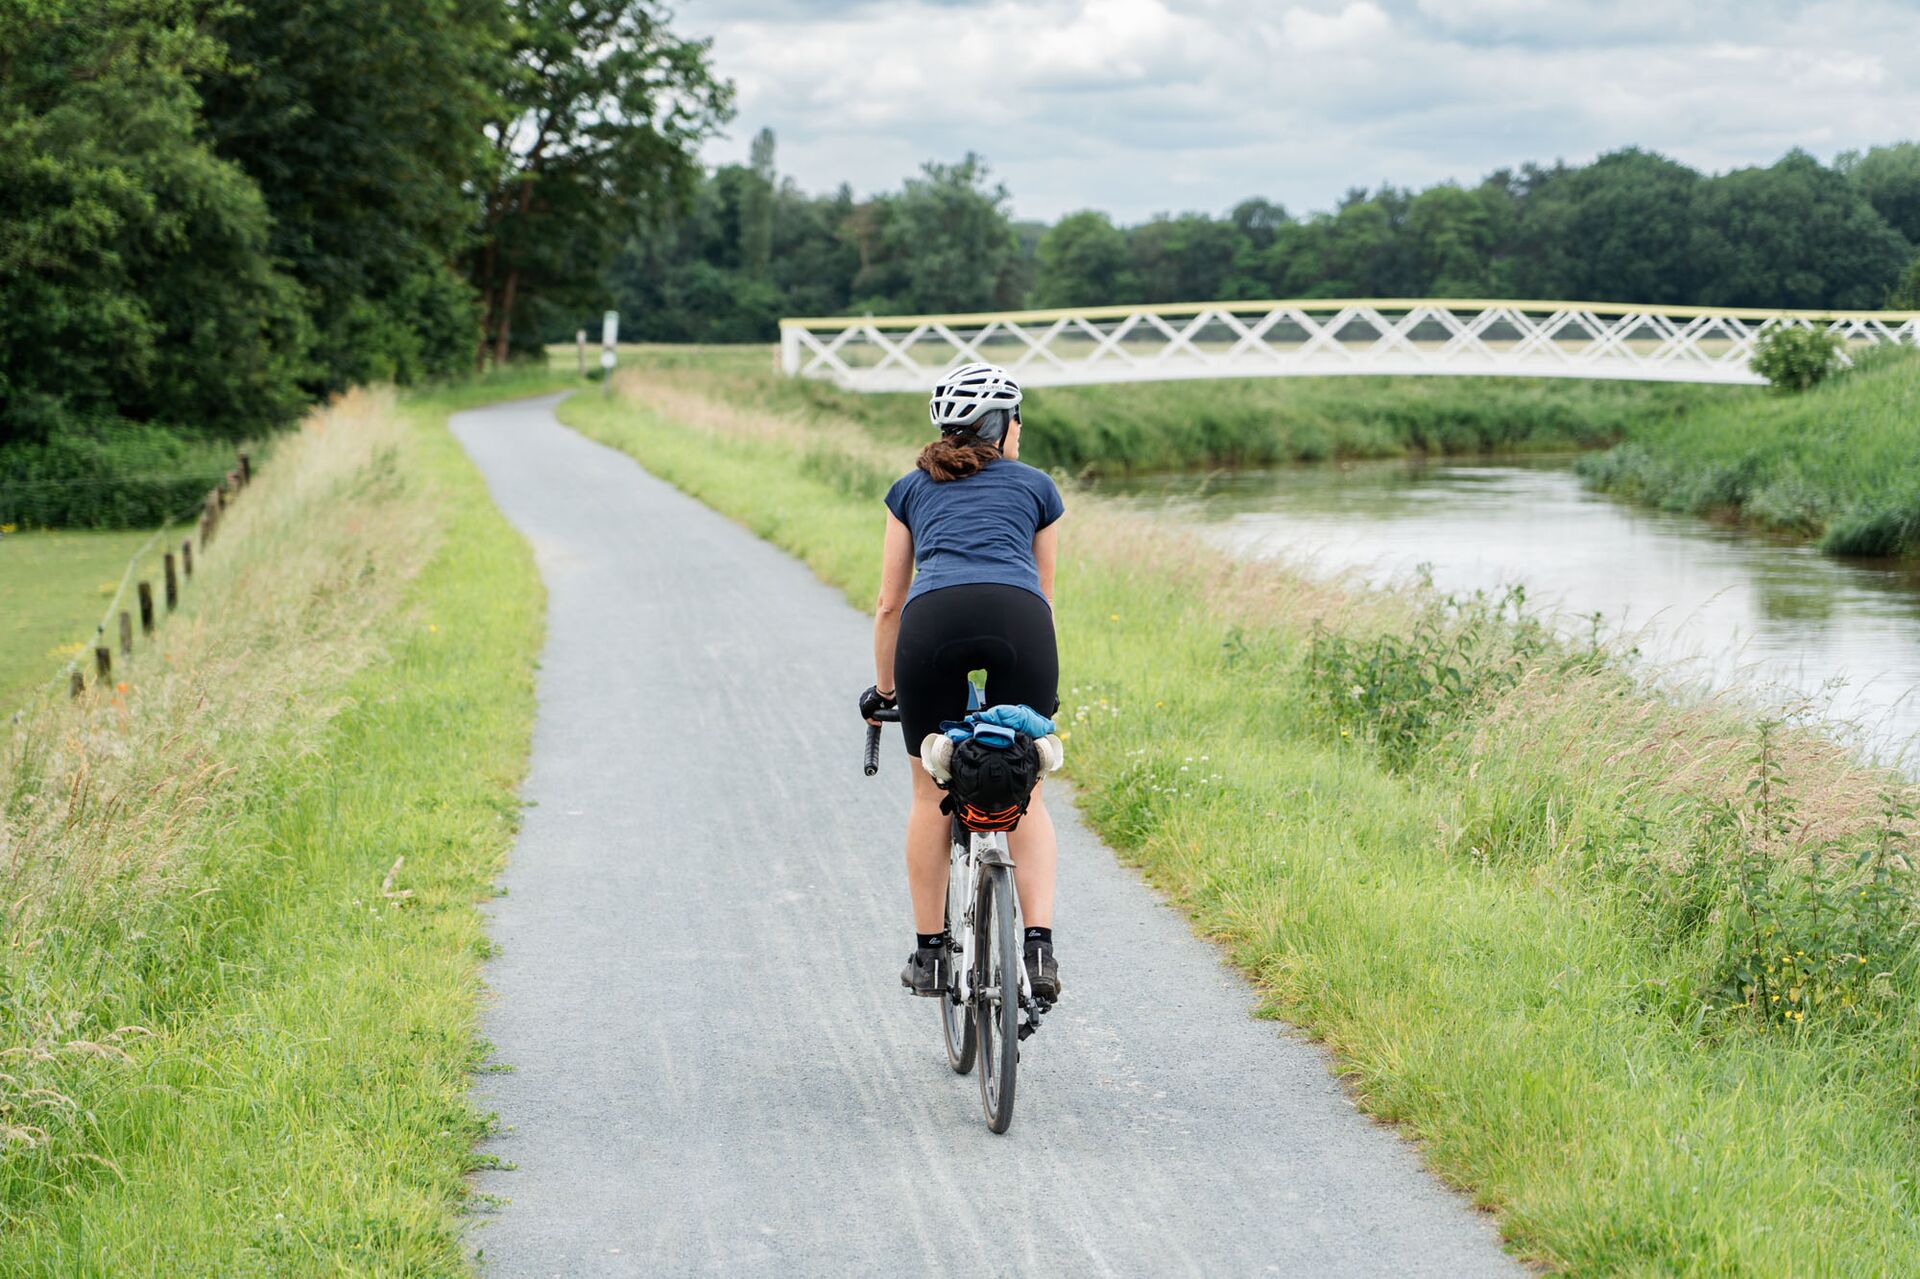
pixel 1046 544
pixel 896 574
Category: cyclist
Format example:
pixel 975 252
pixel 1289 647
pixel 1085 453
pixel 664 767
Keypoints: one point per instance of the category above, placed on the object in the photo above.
pixel 974 530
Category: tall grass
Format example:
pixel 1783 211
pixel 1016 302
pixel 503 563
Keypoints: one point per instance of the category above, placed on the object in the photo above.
pixel 239 971
pixel 1838 464
pixel 1510 902
pixel 1159 426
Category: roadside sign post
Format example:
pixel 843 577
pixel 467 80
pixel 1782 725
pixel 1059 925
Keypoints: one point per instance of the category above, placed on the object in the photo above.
pixel 609 340
pixel 580 341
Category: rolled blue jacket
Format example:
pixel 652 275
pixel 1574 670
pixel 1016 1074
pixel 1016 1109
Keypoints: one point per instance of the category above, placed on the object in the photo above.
pixel 1022 719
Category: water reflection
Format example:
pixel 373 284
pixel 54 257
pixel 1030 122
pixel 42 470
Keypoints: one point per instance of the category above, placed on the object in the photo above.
pixel 1733 605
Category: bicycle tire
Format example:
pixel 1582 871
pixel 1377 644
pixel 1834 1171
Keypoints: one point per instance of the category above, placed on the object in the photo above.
pixel 956 1021
pixel 996 993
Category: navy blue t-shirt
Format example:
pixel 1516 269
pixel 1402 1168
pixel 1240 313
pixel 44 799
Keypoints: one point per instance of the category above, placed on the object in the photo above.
pixel 977 529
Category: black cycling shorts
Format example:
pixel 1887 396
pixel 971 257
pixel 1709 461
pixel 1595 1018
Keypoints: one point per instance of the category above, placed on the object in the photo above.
pixel 1007 631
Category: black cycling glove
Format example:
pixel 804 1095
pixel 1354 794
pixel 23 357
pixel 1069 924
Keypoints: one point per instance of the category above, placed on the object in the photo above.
pixel 871 701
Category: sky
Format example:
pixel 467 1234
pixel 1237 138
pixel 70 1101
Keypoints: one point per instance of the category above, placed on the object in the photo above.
pixel 1140 107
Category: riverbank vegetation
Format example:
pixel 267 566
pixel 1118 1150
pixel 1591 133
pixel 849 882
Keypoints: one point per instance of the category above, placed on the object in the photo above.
pixel 239 978
pixel 1160 426
pixel 1838 464
pixel 1635 969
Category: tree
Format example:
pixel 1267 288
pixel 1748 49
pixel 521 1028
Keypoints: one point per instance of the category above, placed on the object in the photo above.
pixel 756 208
pixel 949 241
pixel 135 281
pixel 1890 179
pixel 1355 251
pixel 1620 229
pixel 1796 234
pixel 1451 239
pixel 1083 262
pixel 1190 258
pixel 1258 221
pixel 362 125
pixel 603 110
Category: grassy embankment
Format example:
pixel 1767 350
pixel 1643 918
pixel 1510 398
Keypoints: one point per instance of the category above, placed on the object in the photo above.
pixel 241 957
pixel 1162 426
pixel 1533 909
pixel 1838 465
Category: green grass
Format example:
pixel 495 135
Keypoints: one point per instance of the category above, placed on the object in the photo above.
pixel 1838 465
pixel 1162 426
pixel 54 588
pixel 1506 941
pixel 239 1028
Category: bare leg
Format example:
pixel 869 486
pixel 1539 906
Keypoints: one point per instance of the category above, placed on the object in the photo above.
pixel 1036 855
pixel 927 854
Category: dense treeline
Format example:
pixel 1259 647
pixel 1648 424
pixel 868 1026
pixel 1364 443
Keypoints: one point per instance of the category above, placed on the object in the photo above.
pixel 1632 226
pixel 212 214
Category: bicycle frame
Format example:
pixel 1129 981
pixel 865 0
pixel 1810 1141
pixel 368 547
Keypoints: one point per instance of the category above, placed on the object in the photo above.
pixel 967 863
pixel 970 854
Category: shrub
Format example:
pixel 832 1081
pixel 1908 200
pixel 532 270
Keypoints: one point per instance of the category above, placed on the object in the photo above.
pixel 114 475
pixel 1405 691
pixel 1820 931
pixel 1792 358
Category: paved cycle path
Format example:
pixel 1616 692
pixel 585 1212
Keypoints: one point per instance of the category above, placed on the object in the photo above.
pixel 714 1068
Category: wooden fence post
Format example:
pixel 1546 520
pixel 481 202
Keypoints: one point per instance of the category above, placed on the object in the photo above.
pixel 103 663
pixel 79 684
pixel 173 582
pixel 126 634
pixel 246 468
pixel 146 608
pixel 186 557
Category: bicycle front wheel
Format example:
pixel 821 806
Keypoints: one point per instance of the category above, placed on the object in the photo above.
pixel 956 1024
pixel 996 995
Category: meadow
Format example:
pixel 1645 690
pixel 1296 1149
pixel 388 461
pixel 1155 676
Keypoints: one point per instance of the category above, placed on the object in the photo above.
pixel 1634 969
pixel 55 586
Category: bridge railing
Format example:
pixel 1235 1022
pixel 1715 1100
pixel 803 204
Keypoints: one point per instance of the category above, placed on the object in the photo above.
pixel 1423 336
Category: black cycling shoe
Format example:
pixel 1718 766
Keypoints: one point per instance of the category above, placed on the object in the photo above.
pixel 1042 973
pixel 922 973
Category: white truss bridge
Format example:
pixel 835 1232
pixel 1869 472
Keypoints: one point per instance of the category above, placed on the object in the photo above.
pixel 1395 336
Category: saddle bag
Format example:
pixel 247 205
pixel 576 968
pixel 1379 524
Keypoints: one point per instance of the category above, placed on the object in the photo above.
pixel 992 783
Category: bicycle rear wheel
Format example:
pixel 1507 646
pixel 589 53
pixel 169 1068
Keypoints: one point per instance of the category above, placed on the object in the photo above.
pixel 956 1024
pixel 996 995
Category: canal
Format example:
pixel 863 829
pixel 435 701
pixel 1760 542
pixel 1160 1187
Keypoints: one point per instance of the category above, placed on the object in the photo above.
pixel 1725 606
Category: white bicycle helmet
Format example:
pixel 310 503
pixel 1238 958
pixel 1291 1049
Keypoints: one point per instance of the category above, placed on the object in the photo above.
pixel 966 394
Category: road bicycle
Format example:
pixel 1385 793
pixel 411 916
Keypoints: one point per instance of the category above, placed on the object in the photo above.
pixel 982 966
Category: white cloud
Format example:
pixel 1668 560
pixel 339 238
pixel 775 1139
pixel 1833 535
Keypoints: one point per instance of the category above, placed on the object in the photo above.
pixel 1355 27
pixel 1138 106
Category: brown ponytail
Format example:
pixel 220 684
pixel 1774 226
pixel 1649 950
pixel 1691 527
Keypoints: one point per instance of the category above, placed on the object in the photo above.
pixel 954 457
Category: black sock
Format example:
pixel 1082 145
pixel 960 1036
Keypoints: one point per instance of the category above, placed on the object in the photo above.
pixel 927 941
pixel 1040 935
